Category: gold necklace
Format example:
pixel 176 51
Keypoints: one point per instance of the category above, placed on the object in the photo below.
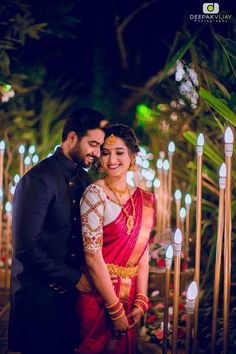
pixel 130 218
pixel 118 191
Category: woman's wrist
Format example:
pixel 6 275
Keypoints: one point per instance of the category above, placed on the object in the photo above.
pixel 115 310
pixel 141 302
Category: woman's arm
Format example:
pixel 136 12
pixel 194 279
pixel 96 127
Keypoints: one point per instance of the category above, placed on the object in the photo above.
pixel 142 277
pixel 141 287
pixel 100 276
pixel 92 216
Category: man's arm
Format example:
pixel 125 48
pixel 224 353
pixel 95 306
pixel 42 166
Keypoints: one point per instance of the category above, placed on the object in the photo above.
pixel 31 202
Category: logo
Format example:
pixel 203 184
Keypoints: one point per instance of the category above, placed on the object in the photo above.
pixel 210 8
pixel 211 13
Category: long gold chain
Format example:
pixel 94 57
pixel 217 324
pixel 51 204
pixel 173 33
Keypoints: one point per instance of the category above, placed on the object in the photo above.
pixel 130 217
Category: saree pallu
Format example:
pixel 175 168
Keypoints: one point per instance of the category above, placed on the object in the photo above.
pixel 122 253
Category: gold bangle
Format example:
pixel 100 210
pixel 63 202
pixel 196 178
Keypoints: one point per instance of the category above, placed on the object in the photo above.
pixel 142 295
pixel 110 306
pixel 139 307
pixel 114 312
pixel 141 301
pixel 114 319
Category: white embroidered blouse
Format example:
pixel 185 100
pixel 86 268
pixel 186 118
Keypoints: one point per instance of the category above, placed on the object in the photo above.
pixel 96 211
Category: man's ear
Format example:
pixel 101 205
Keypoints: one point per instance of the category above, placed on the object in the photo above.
pixel 72 138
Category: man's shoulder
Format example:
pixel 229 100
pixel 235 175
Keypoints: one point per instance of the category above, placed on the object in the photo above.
pixel 46 169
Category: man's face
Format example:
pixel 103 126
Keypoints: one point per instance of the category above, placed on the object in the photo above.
pixel 86 149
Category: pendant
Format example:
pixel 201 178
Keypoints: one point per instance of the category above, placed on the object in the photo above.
pixel 130 224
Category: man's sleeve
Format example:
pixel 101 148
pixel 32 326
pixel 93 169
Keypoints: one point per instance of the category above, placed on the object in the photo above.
pixel 31 202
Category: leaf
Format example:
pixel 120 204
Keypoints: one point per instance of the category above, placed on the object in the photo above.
pixel 218 105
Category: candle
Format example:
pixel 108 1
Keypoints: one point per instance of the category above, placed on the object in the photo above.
pixel 188 201
pixel 21 151
pixel 166 167
pixel 160 193
pixel 200 144
pixel 191 296
pixel 222 183
pixel 35 159
pixel 182 216
pixel 168 264
pixel 229 140
pixel 2 150
pixel 171 150
pixel 27 162
pixel 177 254
pixel 178 196
pixel 8 208
pixel 157 184
pixel 1 216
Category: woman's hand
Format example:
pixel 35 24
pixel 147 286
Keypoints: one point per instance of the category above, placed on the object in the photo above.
pixel 121 325
pixel 135 315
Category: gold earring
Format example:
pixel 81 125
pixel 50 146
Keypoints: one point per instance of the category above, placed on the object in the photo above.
pixel 132 166
pixel 101 170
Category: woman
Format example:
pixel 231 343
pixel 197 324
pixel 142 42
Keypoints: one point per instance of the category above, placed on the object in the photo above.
pixel 116 224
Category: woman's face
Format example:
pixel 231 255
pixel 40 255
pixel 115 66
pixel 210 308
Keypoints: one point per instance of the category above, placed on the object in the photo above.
pixel 115 158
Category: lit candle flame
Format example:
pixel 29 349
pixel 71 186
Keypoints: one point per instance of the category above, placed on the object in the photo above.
pixel 200 140
pixel 192 291
pixel 229 137
pixel 8 207
pixel 159 163
pixel 169 252
pixel 178 194
pixel 188 199
pixel 32 149
pixel 222 171
pixel 2 145
pixel 27 161
pixel 182 213
pixel 157 183
pixel 171 147
pixel 178 236
pixel 21 149
pixel 166 165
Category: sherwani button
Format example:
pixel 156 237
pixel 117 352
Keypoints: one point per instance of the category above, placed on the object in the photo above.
pixel 73 237
pixel 74 201
pixel 75 218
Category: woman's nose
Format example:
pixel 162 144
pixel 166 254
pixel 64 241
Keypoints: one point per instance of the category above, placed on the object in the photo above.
pixel 112 158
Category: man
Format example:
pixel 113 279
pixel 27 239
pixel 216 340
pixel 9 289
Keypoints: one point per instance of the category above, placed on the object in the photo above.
pixel 47 240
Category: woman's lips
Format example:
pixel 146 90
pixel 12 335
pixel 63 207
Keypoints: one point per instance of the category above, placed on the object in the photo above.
pixel 113 167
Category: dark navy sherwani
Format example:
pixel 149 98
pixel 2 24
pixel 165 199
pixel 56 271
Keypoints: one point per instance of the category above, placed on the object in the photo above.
pixel 47 255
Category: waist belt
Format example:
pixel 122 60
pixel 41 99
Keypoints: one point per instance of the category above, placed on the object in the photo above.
pixel 123 272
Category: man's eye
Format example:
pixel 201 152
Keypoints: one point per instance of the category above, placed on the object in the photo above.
pixel 93 144
pixel 120 153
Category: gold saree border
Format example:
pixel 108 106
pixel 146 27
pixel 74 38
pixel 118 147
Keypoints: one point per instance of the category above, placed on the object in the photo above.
pixel 144 233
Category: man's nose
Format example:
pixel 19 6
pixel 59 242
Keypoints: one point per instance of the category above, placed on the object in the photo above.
pixel 97 152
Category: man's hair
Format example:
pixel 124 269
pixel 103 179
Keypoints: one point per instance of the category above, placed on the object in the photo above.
pixel 82 119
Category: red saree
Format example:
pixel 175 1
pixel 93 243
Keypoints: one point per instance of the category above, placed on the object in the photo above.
pixel 125 251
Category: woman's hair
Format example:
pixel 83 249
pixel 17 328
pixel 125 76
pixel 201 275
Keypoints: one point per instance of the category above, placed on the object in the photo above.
pixel 125 133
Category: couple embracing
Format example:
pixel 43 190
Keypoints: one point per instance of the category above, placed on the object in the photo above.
pixel 80 249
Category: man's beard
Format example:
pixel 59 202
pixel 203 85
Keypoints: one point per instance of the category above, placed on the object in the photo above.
pixel 80 160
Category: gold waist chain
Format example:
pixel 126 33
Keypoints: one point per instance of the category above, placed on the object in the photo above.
pixel 123 272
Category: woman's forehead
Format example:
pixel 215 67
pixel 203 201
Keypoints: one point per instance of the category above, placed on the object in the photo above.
pixel 118 143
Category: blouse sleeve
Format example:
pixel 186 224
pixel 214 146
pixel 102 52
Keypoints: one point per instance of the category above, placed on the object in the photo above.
pixel 92 217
